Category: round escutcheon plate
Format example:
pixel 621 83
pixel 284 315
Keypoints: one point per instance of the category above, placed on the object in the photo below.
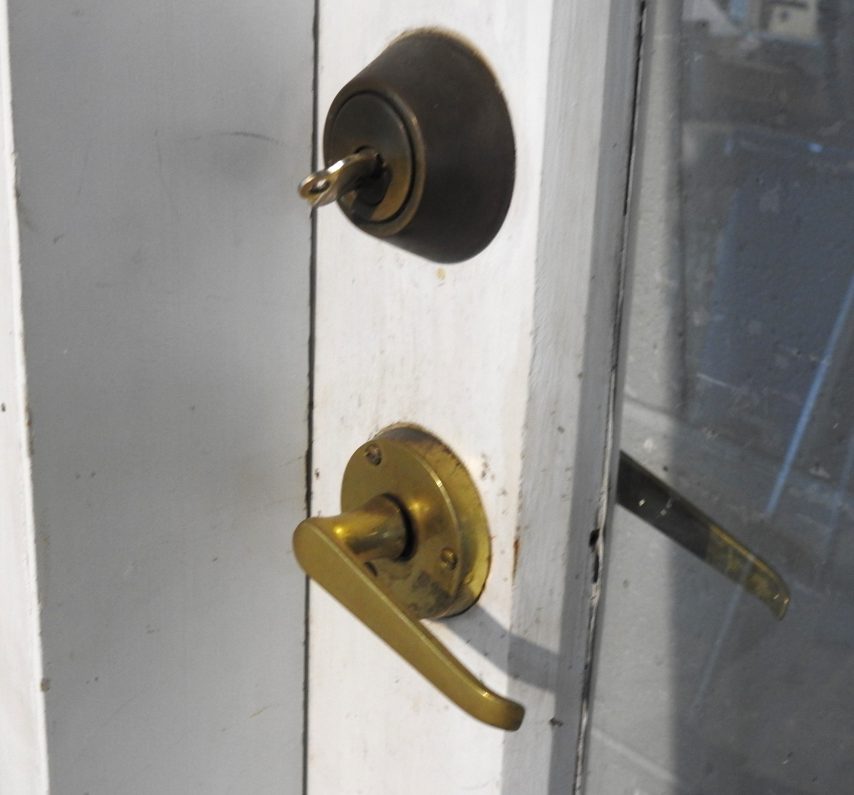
pixel 444 567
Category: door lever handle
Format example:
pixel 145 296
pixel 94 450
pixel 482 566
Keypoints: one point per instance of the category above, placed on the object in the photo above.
pixel 412 542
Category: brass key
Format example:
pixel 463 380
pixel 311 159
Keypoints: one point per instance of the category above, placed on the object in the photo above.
pixel 327 185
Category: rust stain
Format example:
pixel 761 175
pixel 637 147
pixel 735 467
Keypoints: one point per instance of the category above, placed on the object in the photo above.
pixel 517 544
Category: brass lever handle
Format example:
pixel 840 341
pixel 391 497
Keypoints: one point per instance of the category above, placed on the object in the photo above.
pixel 412 543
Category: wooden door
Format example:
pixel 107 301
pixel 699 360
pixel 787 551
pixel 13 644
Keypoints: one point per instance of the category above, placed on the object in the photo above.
pixel 510 358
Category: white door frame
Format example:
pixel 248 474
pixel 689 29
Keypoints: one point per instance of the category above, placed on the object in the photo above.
pixel 511 358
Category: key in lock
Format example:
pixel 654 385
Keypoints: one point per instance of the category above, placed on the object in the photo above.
pixel 419 149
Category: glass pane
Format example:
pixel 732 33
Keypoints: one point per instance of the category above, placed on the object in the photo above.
pixel 740 394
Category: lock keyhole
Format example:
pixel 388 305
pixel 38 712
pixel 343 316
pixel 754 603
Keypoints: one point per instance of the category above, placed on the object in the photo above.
pixel 369 122
pixel 432 110
pixel 373 188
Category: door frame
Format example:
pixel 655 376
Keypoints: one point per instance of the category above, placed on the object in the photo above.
pixel 512 358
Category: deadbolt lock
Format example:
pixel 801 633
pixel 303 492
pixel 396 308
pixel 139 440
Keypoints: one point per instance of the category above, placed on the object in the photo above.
pixel 419 149
pixel 412 542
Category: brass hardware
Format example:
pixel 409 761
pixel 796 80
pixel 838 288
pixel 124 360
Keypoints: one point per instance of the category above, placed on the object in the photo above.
pixel 432 111
pixel 343 176
pixel 639 491
pixel 412 542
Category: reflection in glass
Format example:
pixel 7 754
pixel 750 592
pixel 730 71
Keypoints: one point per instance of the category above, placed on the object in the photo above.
pixel 740 393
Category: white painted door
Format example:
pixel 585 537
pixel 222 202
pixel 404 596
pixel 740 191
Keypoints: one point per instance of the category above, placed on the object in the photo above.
pixel 510 358
pixel 154 302
pixel 156 354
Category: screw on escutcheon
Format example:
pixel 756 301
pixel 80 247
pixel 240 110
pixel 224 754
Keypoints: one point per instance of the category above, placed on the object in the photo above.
pixel 374 454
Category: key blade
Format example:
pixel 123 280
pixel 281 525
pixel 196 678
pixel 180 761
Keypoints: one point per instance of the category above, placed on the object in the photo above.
pixel 327 185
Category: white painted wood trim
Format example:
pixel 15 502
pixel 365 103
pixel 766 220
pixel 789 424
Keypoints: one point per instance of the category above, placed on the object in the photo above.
pixel 573 386
pixel 509 358
pixel 165 292
pixel 23 744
